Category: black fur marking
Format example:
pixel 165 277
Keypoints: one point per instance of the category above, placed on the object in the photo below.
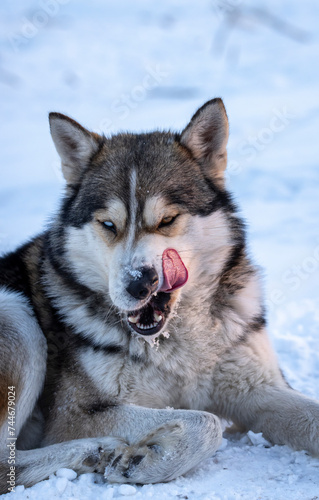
pixel 78 207
pixel 254 326
pixel 13 272
pixel 54 246
pixel 222 199
pixel 132 464
pixel 82 342
pixel 84 211
pixel 98 407
pixel 111 456
pixel 257 323
pixel 69 279
pixel 238 252
pixel 67 203
pixel 137 459
pixel 117 460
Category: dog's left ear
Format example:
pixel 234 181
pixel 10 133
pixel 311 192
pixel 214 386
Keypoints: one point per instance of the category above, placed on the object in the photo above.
pixel 206 137
pixel 75 145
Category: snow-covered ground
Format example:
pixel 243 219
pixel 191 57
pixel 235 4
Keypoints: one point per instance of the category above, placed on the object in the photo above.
pixel 138 65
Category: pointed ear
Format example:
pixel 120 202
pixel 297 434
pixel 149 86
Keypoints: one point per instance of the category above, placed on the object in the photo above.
pixel 206 137
pixel 75 145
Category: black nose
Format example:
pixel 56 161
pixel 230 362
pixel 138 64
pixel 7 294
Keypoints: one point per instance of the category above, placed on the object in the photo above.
pixel 145 283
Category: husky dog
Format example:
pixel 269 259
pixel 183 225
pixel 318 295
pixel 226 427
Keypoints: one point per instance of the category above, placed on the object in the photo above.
pixel 136 320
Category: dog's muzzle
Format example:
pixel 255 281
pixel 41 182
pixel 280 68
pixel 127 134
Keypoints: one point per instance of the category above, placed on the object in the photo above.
pixel 150 319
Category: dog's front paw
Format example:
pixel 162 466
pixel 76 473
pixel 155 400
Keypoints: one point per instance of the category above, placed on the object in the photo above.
pixel 154 459
pixel 132 464
pixel 99 454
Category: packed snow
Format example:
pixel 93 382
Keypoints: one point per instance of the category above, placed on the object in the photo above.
pixel 142 65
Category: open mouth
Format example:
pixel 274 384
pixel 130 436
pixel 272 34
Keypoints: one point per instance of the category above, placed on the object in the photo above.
pixel 151 318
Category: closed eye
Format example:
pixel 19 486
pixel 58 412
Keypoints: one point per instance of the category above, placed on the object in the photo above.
pixel 167 221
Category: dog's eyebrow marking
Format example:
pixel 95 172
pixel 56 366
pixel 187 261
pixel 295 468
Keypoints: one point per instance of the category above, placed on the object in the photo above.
pixel 117 210
pixel 114 211
pixel 155 209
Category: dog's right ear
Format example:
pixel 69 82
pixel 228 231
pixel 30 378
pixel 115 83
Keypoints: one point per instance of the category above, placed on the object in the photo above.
pixel 75 145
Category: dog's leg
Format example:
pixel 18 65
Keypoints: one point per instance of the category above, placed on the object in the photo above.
pixel 141 445
pixel 286 417
pixel 22 369
pixel 261 400
pixel 82 455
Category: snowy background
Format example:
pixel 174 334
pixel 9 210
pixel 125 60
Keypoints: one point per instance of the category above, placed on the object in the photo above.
pixel 140 65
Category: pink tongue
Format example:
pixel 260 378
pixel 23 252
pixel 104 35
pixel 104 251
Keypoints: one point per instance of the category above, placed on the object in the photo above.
pixel 174 271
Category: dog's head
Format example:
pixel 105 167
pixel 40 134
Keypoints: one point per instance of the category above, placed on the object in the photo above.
pixel 140 207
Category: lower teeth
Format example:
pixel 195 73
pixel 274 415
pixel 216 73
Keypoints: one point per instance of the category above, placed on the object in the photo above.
pixel 141 326
pixel 146 327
